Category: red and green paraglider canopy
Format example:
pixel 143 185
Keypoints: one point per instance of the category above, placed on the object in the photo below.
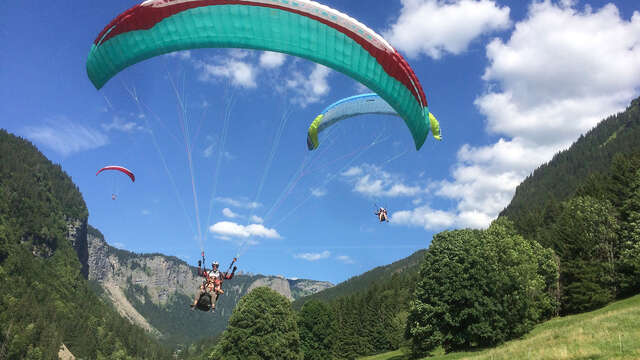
pixel 302 28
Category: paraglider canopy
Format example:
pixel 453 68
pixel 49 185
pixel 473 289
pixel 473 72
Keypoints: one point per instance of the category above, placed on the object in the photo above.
pixel 363 104
pixel 118 168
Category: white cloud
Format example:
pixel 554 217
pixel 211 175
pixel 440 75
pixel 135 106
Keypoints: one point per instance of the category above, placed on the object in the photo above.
pixel 228 213
pixel 309 89
pixel 243 68
pixel 231 229
pixel 242 74
pixel 145 212
pixel 361 89
pixel 425 217
pixel 318 192
pixel 313 256
pixel 239 53
pixel 272 60
pixel 352 171
pixel 208 151
pixel 434 27
pixel 65 137
pixel 546 87
pixel 227 155
pixel 119 245
pixel 345 259
pixel 256 219
pixel 239 203
pixel 371 180
pixel 119 124
pixel 239 241
pixel 182 55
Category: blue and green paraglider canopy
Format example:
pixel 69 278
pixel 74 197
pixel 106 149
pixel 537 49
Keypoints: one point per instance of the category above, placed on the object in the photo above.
pixel 363 104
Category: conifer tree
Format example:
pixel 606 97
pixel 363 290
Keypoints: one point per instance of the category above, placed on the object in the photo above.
pixel 629 264
pixel 587 233
pixel 317 326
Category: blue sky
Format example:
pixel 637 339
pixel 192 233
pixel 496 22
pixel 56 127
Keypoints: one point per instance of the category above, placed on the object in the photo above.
pixel 512 83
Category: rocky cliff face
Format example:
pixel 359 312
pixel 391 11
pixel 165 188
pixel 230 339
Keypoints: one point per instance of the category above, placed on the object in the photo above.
pixel 77 235
pixel 279 284
pixel 97 260
pixel 161 275
pixel 304 287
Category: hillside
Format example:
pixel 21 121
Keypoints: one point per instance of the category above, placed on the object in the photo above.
pixel 607 333
pixel 559 178
pixel 46 300
pixel 362 282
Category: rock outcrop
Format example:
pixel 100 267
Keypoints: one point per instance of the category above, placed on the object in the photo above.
pixel 161 275
pixel 77 235
pixel 304 287
pixel 278 284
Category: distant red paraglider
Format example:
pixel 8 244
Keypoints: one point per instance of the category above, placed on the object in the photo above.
pixel 118 168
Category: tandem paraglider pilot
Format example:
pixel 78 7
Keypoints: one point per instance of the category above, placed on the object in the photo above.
pixel 211 287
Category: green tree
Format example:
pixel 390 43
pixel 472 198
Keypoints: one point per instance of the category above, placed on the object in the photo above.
pixel 622 172
pixel 350 342
pixel 263 326
pixel 629 263
pixel 317 326
pixel 587 243
pixel 480 288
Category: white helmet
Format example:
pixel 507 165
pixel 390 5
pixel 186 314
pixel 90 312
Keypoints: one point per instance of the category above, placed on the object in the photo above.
pixel 215 263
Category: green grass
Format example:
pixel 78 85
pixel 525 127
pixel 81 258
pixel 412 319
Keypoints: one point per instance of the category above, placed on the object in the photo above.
pixel 394 355
pixel 612 332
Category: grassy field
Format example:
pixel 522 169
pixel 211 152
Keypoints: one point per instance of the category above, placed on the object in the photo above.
pixel 612 332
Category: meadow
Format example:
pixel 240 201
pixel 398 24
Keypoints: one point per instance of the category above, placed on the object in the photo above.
pixel 612 332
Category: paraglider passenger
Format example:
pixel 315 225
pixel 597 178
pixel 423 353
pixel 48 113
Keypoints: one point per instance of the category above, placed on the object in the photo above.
pixel 382 215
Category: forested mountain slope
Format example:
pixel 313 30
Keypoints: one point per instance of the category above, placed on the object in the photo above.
pixel 45 299
pixel 362 282
pixel 558 179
